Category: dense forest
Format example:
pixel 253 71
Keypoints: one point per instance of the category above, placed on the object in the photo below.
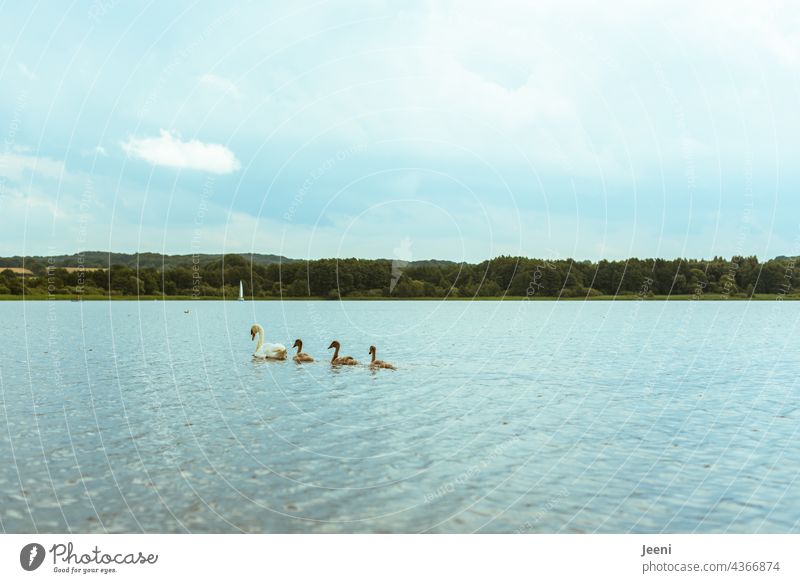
pixel 209 276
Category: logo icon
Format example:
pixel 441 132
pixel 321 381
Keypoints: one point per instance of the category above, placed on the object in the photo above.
pixel 31 556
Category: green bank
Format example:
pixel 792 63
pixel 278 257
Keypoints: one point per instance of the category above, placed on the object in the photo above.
pixel 97 275
pixel 601 298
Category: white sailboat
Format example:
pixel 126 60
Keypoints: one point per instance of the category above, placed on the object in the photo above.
pixel 241 291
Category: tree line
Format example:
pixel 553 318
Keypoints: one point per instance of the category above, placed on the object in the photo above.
pixel 219 277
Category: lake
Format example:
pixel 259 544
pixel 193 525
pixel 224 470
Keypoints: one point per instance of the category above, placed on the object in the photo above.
pixel 555 417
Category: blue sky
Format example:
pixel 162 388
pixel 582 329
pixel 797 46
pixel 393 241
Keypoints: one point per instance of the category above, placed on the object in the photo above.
pixel 431 129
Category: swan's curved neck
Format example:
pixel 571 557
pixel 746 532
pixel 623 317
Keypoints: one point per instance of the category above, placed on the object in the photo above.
pixel 260 338
pixel 299 347
pixel 374 354
pixel 335 353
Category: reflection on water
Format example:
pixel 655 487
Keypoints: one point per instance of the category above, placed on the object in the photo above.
pixel 501 417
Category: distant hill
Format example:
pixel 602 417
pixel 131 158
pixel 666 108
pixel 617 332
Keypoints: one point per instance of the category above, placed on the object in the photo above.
pixel 132 260
pixel 158 260
pixel 433 263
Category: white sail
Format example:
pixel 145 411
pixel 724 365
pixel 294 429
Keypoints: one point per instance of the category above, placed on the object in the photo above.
pixel 241 291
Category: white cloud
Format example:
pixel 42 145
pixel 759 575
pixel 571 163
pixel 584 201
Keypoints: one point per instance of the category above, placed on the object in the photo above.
pixel 221 83
pixel 16 167
pixel 169 150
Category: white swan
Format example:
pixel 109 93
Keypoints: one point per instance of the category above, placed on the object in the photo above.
pixel 266 350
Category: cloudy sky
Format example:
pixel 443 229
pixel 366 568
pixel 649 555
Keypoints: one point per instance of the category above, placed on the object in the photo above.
pixel 457 130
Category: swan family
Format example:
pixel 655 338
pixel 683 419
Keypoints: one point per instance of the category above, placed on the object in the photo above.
pixel 277 351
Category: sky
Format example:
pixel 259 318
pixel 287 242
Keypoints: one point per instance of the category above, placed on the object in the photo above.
pixel 415 130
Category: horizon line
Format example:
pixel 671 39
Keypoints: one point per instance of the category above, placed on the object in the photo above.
pixel 295 259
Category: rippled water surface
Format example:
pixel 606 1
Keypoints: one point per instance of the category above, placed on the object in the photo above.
pixel 501 417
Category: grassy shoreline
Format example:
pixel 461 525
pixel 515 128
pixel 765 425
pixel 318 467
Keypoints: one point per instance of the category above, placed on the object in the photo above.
pixel 624 298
